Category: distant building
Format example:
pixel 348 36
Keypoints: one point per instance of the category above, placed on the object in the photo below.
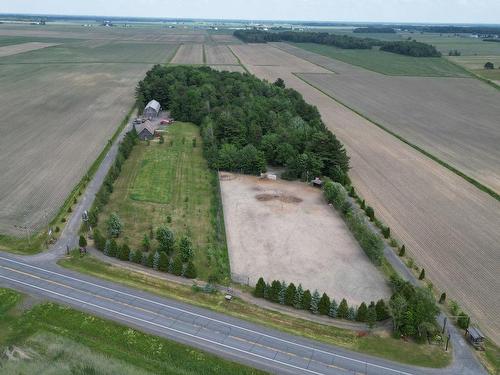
pixel 152 109
pixel 146 130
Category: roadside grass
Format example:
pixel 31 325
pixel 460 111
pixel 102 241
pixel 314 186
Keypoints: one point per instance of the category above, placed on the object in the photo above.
pixel 387 347
pixel 491 357
pixel 170 184
pixel 62 340
pixel 389 63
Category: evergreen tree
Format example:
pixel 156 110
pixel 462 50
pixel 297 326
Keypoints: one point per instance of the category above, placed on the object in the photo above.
pixel 362 312
pixel 131 256
pixel 381 310
pixel 282 293
pixel 156 260
pixel 402 251
pixel 190 271
pixel 371 316
pixel 290 294
pixel 144 259
pixel 332 313
pixel 260 288
pixel 422 275
pixel 463 320
pixel 99 240
pixel 150 259
pixel 324 304
pixel 146 243
pixel 163 262
pixel 124 252
pixel 306 300
pixel 343 309
pixel 362 205
pixel 114 225
pixel 137 257
pixel 186 249
pixel 315 302
pixel 370 213
pixel 82 242
pixel 275 291
pixel 297 298
pixel 106 247
pixel 113 248
pixel 166 240
pixel 177 266
pixel 442 298
pixel 267 292
pixel 351 313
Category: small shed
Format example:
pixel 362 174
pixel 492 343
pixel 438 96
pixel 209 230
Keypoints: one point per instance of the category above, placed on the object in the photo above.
pixel 152 109
pixel 146 130
pixel 475 337
pixel 317 182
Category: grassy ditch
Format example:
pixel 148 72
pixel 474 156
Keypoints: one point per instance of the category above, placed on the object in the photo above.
pixel 380 345
pixel 38 240
pixel 62 340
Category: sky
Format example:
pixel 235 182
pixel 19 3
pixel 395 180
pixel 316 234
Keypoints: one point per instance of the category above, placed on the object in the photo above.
pixel 423 11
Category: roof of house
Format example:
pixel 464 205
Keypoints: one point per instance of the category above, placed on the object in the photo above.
pixel 153 104
pixel 148 125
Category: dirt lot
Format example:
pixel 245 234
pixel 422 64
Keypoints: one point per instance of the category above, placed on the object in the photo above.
pixel 219 55
pixel 286 231
pixel 189 54
pixel 448 225
pixel 24 47
pixel 57 115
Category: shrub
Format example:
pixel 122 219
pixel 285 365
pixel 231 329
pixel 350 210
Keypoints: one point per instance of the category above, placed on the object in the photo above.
pixel 335 194
pixel 57 229
pixel 259 288
pixel 386 232
pixel 442 298
pixel 146 243
pixel 422 275
pixel 454 309
pixel 370 213
pixel 463 320
pixel 363 204
pixel 114 225
pixel 402 251
pixel 82 242
pixel 190 271
pixel 369 241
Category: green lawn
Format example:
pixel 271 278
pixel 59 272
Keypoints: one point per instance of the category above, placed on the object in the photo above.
pixel 389 63
pixel 61 340
pixel 383 346
pixel 170 184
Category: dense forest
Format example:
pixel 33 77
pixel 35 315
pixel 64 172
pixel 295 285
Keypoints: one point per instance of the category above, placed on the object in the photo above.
pixel 380 30
pixel 416 49
pixel 247 123
pixel 411 48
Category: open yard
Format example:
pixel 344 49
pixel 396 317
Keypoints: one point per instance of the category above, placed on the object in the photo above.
pixel 286 231
pixel 189 54
pixel 170 184
pixel 448 225
pixel 59 106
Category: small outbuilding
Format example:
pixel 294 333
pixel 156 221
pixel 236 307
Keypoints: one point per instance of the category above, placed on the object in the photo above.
pixel 152 109
pixel 146 130
pixel 317 182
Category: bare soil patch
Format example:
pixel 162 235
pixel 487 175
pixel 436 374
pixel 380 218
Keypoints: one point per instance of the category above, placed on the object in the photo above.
pixel 277 235
pixel 219 55
pixel 189 54
pixel 449 226
pixel 24 47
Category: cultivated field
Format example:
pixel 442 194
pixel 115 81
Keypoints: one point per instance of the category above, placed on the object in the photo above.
pixel 286 231
pixel 24 47
pixel 449 226
pixel 59 106
pixel 219 55
pixel 476 65
pixel 189 54
pixel 224 38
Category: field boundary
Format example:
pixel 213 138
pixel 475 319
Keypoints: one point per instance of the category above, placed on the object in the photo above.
pixel 238 59
pixel 475 75
pixel 469 179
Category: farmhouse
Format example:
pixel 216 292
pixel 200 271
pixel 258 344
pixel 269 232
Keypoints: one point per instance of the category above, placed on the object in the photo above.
pixel 146 130
pixel 152 109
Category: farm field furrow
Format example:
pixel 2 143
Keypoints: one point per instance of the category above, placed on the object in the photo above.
pixel 24 47
pixel 219 55
pixel 189 54
pixel 60 105
pixel 449 226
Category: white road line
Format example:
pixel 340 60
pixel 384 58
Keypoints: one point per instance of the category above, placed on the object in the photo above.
pixel 161 326
pixel 211 319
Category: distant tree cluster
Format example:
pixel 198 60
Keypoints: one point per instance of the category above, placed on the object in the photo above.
pixel 454 52
pixel 247 123
pixel 489 65
pixel 411 48
pixel 495 40
pixel 290 295
pixel 371 30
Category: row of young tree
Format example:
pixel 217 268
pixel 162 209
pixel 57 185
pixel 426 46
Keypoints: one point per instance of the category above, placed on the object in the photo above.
pixel 297 297
pixel 247 123
pixel 403 47
pixel 170 256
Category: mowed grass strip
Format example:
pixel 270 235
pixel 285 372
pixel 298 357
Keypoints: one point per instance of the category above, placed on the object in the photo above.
pixel 65 341
pixel 169 180
pixel 389 63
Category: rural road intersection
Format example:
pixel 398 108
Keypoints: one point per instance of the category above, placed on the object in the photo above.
pixel 228 337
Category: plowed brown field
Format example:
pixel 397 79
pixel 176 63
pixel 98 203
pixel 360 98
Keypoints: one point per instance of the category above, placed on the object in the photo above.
pixel 447 224
pixel 24 47
pixel 189 54
pixel 219 55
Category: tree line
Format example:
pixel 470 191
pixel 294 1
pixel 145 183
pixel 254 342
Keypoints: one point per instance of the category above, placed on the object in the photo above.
pixel 247 123
pixel 298 298
pixel 409 48
pixel 379 30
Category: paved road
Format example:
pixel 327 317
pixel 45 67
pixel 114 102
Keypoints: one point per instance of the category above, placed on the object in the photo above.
pixel 228 337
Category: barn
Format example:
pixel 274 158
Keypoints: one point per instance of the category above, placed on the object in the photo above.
pixel 152 109
pixel 146 130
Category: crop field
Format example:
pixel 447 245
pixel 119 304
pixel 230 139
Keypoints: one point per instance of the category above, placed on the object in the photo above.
pixel 219 55
pixel 189 54
pixel 224 38
pixel 170 180
pixel 389 63
pixel 286 231
pixel 476 65
pixel 24 47
pixel 448 225
pixel 59 106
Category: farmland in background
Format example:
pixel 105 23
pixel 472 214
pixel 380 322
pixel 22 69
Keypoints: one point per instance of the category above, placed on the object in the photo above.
pixel 448 225
pixel 159 181
pixel 189 54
